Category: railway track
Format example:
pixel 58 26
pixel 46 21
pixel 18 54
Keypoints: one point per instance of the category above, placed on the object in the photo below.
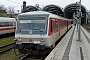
pixel 6 48
pixel 3 36
pixel 33 57
pixel 87 27
pixel 28 57
pixel 86 36
pixel 22 57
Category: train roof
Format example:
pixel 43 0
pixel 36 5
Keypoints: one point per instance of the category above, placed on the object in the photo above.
pixel 34 13
pixel 6 19
pixel 42 13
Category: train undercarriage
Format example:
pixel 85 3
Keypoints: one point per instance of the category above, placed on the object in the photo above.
pixel 32 49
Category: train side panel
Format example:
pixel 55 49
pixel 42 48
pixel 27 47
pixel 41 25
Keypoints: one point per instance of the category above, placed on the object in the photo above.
pixel 5 30
pixel 7 25
pixel 69 25
pixel 57 28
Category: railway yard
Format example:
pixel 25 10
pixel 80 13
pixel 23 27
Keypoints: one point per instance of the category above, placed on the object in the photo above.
pixel 44 32
pixel 7 49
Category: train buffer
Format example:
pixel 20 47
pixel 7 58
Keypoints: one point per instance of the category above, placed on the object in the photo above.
pixel 70 48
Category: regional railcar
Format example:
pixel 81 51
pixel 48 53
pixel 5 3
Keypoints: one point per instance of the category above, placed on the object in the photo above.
pixel 38 30
pixel 7 25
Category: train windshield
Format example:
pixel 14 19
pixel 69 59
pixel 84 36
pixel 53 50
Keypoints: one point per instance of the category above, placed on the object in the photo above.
pixel 32 23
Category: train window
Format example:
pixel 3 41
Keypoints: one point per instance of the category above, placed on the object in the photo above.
pixel 60 23
pixel 52 25
pixel 4 24
pixel 33 23
pixel 0 24
pixel 56 24
pixel 14 24
pixel 10 23
pixel 66 23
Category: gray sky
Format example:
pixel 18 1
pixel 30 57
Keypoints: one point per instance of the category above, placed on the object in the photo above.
pixel 18 3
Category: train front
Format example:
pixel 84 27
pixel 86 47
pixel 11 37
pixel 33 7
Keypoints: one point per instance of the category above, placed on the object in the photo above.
pixel 31 33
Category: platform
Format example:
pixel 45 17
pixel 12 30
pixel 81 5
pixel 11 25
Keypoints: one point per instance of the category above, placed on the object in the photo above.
pixel 70 48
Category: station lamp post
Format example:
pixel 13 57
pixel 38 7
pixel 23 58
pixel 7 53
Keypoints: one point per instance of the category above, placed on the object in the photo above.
pixel 79 19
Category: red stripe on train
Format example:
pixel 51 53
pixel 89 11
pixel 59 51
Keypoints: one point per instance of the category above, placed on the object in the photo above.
pixel 1 29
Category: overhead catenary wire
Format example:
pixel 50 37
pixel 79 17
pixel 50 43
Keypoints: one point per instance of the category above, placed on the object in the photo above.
pixel 14 2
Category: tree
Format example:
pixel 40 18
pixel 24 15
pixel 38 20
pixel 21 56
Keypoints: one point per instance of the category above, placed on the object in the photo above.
pixel 2 7
pixel 11 11
pixel 3 12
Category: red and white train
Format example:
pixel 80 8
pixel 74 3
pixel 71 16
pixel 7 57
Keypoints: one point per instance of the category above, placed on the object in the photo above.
pixel 38 30
pixel 7 25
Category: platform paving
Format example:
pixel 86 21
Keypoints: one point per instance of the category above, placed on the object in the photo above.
pixel 72 48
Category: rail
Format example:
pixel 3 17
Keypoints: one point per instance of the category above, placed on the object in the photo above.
pixel 6 47
pixel 87 28
pixel 21 57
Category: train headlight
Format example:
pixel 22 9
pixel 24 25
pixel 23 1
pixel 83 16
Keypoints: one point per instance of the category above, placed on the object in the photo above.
pixel 19 39
pixel 42 40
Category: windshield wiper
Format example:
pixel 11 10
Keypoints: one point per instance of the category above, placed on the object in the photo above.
pixel 42 30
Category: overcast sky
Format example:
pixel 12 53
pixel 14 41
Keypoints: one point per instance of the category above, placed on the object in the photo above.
pixel 62 3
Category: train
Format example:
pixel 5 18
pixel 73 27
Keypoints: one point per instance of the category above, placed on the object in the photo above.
pixel 39 30
pixel 7 25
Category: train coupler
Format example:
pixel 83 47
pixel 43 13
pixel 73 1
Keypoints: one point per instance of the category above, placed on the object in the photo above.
pixel 40 47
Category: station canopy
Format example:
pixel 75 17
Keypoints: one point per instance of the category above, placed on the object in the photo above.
pixel 70 9
pixel 54 9
pixel 32 8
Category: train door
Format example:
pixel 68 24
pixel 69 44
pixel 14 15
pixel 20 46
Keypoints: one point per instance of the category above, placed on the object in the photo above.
pixel 59 26
pixel 57 34
pixel 52 30
pixel 67 25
